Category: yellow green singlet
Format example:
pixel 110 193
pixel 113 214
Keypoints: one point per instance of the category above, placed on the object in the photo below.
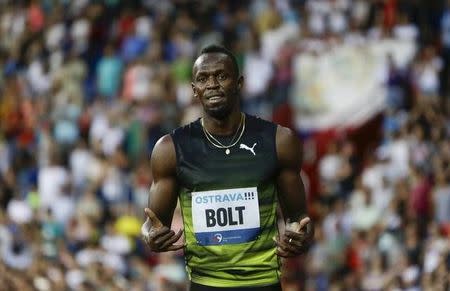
pixel 228 202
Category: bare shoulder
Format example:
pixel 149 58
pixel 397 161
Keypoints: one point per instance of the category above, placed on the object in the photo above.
pixel 163 159
pixel 289 148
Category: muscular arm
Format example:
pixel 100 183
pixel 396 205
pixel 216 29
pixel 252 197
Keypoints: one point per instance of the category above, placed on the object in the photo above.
pixel 299 232
pixel 162 198
pixel 290 186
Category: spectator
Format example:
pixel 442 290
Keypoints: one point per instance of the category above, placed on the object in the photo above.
pixel 109 71
pixel 51 181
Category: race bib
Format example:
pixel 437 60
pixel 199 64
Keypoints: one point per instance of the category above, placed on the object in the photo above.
pixel 228 216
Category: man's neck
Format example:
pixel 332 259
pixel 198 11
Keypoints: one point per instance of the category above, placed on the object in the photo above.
pixel 225 126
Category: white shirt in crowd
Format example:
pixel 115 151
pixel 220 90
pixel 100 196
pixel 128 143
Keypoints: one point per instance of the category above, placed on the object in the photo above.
pixel 80 34
pixel 372 177
pixel 441 196
pixel 39 80
pixel 109 137
pixel 55 36
pixel 143 27
pixel 116 244
pixel 19 211
pixel 365 216
pixel 12 25
pixel 258 72
pixel 337 223
pixel 51 179
pixel 382 197
pixel 329 166
pixel 398 154
pixel 427 76
pixel 79 160
pixel 406 32
pixel 63 208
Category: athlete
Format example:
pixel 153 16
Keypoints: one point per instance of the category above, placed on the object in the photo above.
pixel 229 170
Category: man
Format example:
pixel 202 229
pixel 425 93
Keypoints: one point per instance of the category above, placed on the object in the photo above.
pixel 228 170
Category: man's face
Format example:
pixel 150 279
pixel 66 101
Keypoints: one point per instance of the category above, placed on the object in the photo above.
pixel 216 84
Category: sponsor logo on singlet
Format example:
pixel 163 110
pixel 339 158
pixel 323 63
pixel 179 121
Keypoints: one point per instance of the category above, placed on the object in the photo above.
pixel 228 216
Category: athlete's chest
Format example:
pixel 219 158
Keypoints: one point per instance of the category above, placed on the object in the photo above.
pixel 250 161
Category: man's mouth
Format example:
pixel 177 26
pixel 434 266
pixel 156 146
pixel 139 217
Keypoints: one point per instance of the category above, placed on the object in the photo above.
pixel 214 95
pixel 215 98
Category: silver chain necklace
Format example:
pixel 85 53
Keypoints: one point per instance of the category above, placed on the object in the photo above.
pixel 233 142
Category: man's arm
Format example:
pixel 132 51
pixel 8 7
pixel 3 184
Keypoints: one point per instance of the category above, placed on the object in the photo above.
pixel 290 186
pixel 291 195
pixel 162 198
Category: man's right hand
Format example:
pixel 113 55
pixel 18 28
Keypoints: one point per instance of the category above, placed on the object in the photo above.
pixel 157 236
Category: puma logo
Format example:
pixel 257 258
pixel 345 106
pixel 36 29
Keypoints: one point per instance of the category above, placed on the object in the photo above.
pixel 246 147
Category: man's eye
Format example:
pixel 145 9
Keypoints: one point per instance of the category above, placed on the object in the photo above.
pixel 222 76
pixel 201 79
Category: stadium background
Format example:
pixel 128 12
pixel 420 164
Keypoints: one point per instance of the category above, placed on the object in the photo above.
pixel 87 88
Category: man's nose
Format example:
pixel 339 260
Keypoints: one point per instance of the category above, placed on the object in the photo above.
pixel 212 82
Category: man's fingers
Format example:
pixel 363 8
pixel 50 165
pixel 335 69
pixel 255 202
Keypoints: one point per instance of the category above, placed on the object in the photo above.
pixel 275 239
pixel 154 235
pixel 282 253
pixel 289 247
pixel 293 241
pixel 291 244
pixel 171 240
pixel 161 239
pixel 156 223
pixel 175 247
pixel 145 228
pixel 296 238
pixel 285 246
pixel 304 222
pixel 289 252
pixel 178 235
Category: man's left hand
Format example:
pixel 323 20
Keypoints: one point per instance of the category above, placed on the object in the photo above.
pixel 296 239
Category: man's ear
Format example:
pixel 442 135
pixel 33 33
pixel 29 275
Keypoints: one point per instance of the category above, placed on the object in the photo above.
pixel 194 90
pixel 240 83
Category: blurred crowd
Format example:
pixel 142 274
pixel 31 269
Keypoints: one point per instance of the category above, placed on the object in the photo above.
pixel 88 87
